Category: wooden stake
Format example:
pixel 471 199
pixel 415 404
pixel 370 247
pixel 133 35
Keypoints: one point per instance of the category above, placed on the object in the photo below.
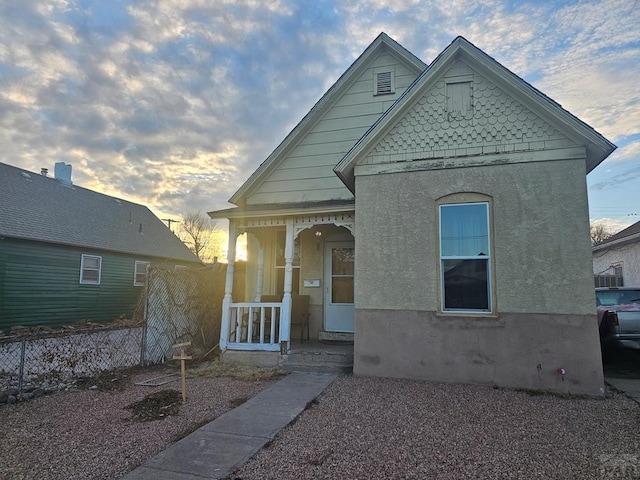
pixel 183 368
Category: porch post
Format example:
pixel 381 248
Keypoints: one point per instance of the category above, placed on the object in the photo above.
pixel 259 270
pixel 285 317
pixel 228 287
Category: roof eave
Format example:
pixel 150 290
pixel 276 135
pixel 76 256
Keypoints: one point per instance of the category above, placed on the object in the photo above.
pixel 325 102
pixel 281 210
pixel 598 147
pixel 620 241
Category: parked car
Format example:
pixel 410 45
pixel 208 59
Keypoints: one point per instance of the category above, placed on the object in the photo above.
pixel 619 317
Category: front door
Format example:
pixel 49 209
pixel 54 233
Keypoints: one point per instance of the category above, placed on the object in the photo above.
pixel 339 308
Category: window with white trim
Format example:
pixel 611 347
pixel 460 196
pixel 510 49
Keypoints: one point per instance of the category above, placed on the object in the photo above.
pixel 140 273
pixel 465 258
pixel 90 269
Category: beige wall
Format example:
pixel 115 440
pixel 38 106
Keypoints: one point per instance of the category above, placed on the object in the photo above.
pixel 516 350
pixel 544 299
pixel 541 236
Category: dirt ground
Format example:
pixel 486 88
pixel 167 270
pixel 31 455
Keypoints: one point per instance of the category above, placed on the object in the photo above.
pixel 108 425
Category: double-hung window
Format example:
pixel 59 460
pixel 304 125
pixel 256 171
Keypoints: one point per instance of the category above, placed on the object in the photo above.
pixel 140 273
pixel 465 258
pixel 90 270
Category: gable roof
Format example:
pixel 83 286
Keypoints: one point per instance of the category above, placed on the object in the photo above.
pixel 629 234
pixel 382 42
pixel 597 147
pixel 44 209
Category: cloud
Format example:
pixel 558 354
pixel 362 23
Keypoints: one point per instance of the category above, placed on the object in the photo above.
pixel 629 175
pixel 174 103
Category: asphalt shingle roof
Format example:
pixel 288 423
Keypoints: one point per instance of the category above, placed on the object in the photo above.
pixel 39 208
pixel 627 232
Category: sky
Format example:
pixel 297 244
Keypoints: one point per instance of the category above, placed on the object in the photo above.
pixel 174 103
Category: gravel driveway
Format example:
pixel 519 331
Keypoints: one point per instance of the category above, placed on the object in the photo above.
pixel 359 428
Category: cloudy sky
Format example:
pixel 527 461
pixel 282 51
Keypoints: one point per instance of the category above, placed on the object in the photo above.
pixel 173 103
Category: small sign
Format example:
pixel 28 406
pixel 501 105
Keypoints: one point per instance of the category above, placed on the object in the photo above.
pixel 312 283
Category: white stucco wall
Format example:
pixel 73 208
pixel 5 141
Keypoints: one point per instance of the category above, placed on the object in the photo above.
pixel 628 255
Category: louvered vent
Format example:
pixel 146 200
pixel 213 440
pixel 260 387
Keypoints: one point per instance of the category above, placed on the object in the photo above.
pixel 383 83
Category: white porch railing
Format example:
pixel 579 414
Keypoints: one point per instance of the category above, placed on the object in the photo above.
pixel 254 326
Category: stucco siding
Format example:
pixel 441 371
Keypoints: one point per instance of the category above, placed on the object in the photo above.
pixel 514 351
pixel 306 174
pixel 627 255
pixel 542 254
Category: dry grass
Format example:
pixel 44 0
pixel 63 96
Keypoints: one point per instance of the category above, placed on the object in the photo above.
pixel 215 368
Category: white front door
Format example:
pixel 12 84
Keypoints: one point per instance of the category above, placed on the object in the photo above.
pixel 339 308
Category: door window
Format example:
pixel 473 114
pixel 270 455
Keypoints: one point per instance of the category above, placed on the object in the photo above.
pixel 342 269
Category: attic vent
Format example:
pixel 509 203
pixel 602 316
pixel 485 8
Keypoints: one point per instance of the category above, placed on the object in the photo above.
pixel 459 98
pixel 25 175
pixel 384 82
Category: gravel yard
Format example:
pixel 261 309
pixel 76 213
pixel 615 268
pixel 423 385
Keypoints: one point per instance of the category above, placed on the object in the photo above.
pixel 359 428
pixel 90 434
pixel 364 428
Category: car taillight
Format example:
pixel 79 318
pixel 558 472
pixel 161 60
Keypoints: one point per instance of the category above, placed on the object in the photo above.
pixel 612 318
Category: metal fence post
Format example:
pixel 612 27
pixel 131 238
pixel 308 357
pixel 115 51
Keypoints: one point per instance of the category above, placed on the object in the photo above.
pixel 21 372
pixel 143 341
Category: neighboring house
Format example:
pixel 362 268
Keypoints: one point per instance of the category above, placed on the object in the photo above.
pixel 437 215
pixel 616 261
pixel 69 254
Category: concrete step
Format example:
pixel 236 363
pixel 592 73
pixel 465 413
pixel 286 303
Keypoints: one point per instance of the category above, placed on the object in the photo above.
pixel 335 336
pixel 317 361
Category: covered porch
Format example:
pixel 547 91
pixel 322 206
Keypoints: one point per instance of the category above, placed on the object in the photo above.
pixel 299 277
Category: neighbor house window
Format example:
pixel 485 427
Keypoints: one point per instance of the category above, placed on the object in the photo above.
pixel 280 264
pixel 140 274
pixel 90 269
pixel 465 258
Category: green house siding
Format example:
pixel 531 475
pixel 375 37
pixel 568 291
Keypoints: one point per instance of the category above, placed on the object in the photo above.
pixel 40 285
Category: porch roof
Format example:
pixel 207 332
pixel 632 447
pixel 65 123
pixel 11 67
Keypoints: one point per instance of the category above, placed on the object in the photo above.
pixel 280 209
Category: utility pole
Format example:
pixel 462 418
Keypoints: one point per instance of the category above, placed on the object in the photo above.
pixel 169 222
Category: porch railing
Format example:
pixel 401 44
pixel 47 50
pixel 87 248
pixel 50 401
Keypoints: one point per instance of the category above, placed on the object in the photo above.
pixel 255 325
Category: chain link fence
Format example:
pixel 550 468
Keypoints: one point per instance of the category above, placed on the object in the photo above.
pixel 177 306
pixel 182 306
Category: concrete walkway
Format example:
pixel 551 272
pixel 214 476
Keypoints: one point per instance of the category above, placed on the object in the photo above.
pixel 630 386
pixel 225 444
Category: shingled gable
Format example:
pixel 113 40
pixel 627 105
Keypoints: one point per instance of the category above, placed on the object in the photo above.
pixel 44 209
pixel 597 147
pixel 382 43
